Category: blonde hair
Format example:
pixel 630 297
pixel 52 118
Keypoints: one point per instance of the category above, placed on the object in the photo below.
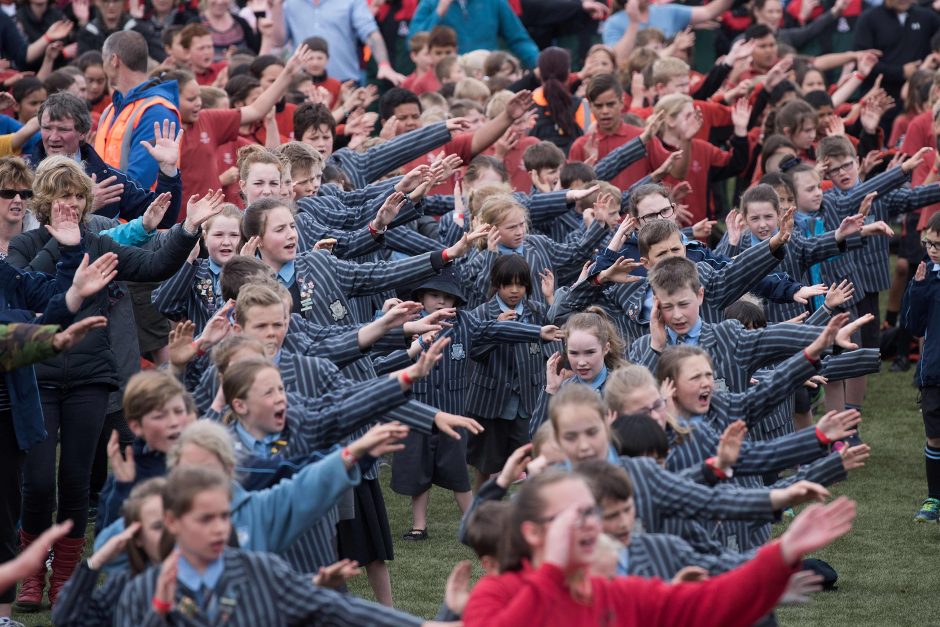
pixel 576 394
pixel 226 349
pixel 603 187
pixel 300 157
pixel 495 209
pixel 672 104
pixel 14 170
pixel 228 211
pixel 667 68
pixel 474 62
pixel 595 321
pixel 237 382
pixel 472 89
pixel 543 434
pixel 479 195
pixel 207 435
pixel 57 176
pixel 255 154
pixel 212 96
pixel 150 390
pixel 254 295
pixel 497 103
pixel 626 379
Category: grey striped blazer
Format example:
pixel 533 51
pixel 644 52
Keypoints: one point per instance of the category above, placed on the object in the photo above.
pixel 255 589
pixel 496 367
pixel 663 555
pixel 541 253
pixel 82 603
pixel 189 295
pixel 349 243
pixel 736 352
pixel 363 168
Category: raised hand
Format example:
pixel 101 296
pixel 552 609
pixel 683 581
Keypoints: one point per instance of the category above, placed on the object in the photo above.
pixel 919 157
pixel 550 333
pixel 621 271
pixel 627 226
pixel 806 292
pixel 839 425
pixel 122 466
pixel 457 125
pixel 166 580
pixel 658 336
pixel 574 195
pixel 449 423
pixel 388 211
pixel 400 313
pixel 425 363
pixel 155 212
pixel 547 284
pixel 740 116
pixel 63 225
pixel 703 228
pixel 690 574
pixel 337 574
pixel 652 126
pixel 514 466
pixel 800 586
pixel 877 228
pixel 555 375
pixel 853 457
pixel 782 236
pixel 457 590
pixel 165 148
pixel 58 30
pixel 76 332
pixel 90 279
pixel 198 210
pixel 250 248
pixel 379 440
pixel 839 294
pixel 844 335
pixel 297 60
pixel 113 547
pixel 519 104
pixel 816 527
pixel 181 346
pixel 921 272
pixel 734 226
pixel 462 247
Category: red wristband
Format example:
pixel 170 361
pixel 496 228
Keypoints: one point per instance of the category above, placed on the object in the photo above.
pixel 444 256
pixel 596 280
pixel 374 231
pixel 860 76
pixel 160 606
pixel 822 437
pixel 48 39
pixel 404 378
pixel 712 463
pixel 810 359
pixel 347 456
pixel 199 351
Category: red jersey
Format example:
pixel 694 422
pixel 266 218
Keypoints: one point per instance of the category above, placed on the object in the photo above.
pixel 332 85
pixel 285 126
pixel 461 145
pixel 201 140
pixel 655 153
pixel 422 84
pixel 211 74
pixel 920 135
pixel 704 157
pixel 226 156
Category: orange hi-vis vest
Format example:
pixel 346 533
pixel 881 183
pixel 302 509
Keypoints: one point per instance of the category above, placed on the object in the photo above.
pixel 113 139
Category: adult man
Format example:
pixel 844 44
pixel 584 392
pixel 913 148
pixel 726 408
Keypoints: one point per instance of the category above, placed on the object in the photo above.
pixel 64 124
pixel 137 104
pixel 479 25
pixel 343 24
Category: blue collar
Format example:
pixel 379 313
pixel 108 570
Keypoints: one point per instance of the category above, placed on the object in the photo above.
pixel 277 358
pixel 597 383
pixel 506 250
pixel 187 575
pixel 809 222
pixel 504 307
pixel 689 338
pixel 215 268
pixel 286 275
pixel 262 447
pixel 623 562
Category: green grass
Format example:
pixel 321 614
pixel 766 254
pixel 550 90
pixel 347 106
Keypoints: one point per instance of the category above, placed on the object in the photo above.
pixel 887 566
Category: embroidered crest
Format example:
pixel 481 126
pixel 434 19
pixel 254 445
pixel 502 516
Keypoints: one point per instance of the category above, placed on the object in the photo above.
pixel 206 290
pixel 456 352
pixel 204 137
pixel 720 385
pixel 338 310
pixel 306 297
pixel 535 348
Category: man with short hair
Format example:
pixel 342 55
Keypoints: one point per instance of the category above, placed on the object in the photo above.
pixel 138 106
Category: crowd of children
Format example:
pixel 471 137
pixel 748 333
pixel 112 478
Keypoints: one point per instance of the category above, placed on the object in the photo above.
pixel 622 309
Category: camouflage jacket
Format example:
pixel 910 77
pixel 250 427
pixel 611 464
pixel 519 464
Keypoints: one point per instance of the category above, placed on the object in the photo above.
pixel 25 344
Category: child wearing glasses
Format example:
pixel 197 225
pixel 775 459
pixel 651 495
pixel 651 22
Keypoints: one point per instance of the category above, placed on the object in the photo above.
pixel 919 314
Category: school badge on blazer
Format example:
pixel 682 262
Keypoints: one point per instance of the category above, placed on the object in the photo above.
pixel 720 385
pixel 456 352
pixel 306 296
pixel 535 348
pixel 338 310
pixel 206 290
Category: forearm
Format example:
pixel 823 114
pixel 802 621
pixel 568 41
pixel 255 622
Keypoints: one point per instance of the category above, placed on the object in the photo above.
pixel 377 45
pixel 489 133
pixel 625 45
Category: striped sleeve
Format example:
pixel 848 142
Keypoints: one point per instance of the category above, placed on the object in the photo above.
pixel 619 159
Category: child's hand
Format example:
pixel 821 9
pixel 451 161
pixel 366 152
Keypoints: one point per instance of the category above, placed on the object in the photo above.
pixel 703 228
pixel 449 423
pixel 166 580
pixel 838 425
pixel 919 157
pixel 734 225
pixel 865 207
pixel 180 344
pixel 550 333
pixel 122 467
pixel 555 375
pixel 250 248
pixel 379 440
pixel 782 236
pixel 658 336
pixel 815 381
pixel 400 314
pixel 806 292
pixel 877 228
pixel 849 226
pixel 514 467
pixel 506 316
pixel 921 273
pixel 421 368
pixel 800 586
pixel 844 335
pixel 729 445
pixel 798 319
pixel 839 294
pixel 457 590
pixel 337 574
pixel 854 457
pixel 620 272
pixel 156 211
pixel 690 574
pixel 547 283
pixel 388 211
pixel 113 547
pixel 462 247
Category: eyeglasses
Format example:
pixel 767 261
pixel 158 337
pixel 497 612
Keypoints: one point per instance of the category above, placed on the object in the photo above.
pixel 590 511
pixel 657 406
pixel 930 244
pixel 840 168
pixel 666 212
pixel 10 194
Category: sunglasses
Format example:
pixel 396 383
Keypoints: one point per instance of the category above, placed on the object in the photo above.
pixel 10 194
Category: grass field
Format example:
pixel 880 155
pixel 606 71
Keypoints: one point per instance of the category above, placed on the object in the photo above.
pixel 887 567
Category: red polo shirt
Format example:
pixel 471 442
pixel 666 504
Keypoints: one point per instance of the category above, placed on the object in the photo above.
pixel 460 145
pixel 655 153
pixel 212 72
pixel 519 177
pixel 201 140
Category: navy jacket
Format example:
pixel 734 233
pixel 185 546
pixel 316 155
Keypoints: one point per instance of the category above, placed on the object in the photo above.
pixel 919 316
pixel 22 294
pixel 135 199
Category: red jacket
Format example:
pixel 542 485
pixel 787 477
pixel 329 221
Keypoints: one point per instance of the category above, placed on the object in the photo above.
pixel 540 597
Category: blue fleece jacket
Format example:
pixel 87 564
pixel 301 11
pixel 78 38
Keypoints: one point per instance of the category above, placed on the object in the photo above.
pixel 919 315
pixel 140 165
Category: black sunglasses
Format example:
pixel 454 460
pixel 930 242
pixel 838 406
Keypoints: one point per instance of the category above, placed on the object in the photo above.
pixel 10 194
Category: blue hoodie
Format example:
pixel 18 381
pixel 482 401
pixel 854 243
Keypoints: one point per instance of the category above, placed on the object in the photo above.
pixel 140 165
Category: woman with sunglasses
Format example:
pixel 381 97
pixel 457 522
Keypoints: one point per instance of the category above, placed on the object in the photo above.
pixel 16 180
pixel 544 568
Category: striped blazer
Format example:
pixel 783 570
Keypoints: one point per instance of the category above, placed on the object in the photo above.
pixel 349 243
pixel 736 352
pixel 872 260
pixel 470 336
pixel 541 253
pixel 254 589
pixel 82 603
pixel 723 285
pixel 663 555
pixel 497 369
pixel 332 212
pixel 363 168
pixel 190 294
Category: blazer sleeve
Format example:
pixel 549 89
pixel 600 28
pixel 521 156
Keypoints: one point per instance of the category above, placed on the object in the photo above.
pixel 138 264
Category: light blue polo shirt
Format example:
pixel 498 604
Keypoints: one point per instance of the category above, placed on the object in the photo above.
pixel 669 18
pixel 342 23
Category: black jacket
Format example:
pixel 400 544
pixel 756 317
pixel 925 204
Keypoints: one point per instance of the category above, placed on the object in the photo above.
pixel 92 361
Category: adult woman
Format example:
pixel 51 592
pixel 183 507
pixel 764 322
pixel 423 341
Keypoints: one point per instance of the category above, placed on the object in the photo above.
pixel 76 386
pixel 227 29
pixel 544 576
pixel 16 181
